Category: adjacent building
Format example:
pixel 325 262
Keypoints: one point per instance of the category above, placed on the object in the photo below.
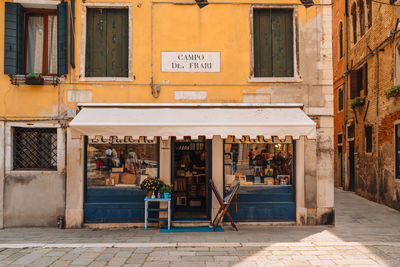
pixel 367 114
pixel 98 96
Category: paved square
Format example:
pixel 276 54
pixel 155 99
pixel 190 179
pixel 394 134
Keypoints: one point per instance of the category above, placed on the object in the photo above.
pixel 366 234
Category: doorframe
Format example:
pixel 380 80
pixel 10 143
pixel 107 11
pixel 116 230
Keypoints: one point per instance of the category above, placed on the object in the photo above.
pixel 208 143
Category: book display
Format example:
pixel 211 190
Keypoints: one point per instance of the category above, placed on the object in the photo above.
pixel 190 178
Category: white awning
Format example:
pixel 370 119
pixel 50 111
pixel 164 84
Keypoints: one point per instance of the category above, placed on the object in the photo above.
pixel 194 120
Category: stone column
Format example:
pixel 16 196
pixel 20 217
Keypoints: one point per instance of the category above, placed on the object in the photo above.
pixel 217 171
pixel 75 182
pixel 2 159
pixel 301 210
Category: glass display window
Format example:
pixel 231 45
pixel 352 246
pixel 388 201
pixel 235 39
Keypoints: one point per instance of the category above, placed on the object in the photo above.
pixel 258 162
pixel 120 163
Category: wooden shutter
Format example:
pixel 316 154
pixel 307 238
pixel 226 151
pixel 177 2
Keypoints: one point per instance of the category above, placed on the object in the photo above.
pixel 273 43
pixel 62 38
pixel 107 43
pixel 365 79
pixel 117 43
pixel 340 99
pixel 72 35
pixel 354 91
pixel 14 37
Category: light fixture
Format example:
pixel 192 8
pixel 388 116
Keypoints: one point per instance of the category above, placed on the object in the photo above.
pixel 307 3
pixel 201 3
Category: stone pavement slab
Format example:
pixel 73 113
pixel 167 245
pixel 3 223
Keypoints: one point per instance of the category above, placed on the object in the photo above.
pixel 365 234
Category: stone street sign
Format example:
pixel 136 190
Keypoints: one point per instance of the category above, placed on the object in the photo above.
pixel 190 62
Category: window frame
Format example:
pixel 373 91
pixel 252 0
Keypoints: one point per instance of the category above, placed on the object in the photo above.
pixel 85 6
pixel 296 77
pixel 396 155
pixel 9 148
pixel 365 139
pixel 341 50
pixel 340 99
pixel 33 12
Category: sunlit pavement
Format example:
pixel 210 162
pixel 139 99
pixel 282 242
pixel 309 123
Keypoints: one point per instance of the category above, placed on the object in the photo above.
pixel 365 234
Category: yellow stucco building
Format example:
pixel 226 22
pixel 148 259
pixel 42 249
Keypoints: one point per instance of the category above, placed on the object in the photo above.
pixel 155 79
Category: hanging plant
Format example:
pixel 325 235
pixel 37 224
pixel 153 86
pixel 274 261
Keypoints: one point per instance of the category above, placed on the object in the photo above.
pixel 357 102
pixel 393 91
pixel 34 79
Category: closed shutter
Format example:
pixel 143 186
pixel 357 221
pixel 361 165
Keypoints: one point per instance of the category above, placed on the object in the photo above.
pixel 107 43
pixel 365 79
pixel 354 91
pixel 340 99
pixel 62 38
pixel 273 43
pixel 14 39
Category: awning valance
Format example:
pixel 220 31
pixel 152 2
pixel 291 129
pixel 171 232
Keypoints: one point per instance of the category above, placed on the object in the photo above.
pixel 192 120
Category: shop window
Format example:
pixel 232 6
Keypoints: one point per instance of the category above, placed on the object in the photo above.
pixel 368 139
pixel 397 141
pixel 258 163
pixel 107 39
pixel 354 21
pixel 273 43
pixel 36 40
pixel 34 148
pixel 121 163
pixel 361 17
pixel 359 82
pixel 340 40
pixel 340 99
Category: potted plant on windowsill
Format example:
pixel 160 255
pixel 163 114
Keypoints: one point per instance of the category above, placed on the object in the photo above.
pixel 34 79
pixel 393 91
pixel 357 102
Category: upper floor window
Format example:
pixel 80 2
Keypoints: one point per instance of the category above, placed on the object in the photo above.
pixel 340 40
pixel 369 8
pixel 368 139
pixel 36 40
pixel 107 42
pixel 340 99
pixel 359 82
pixel 273 42
pixel 361 17
pixel 34 148
pixel 354 21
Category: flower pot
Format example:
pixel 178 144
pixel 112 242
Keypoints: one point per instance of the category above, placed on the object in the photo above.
pixel 149 194
pixel 34 81
pixel 166 195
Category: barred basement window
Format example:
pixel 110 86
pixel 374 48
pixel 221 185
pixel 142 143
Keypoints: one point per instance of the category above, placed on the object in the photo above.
pixel 35 148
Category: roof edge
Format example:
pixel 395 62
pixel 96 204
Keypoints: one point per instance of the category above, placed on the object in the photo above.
pixel 192 105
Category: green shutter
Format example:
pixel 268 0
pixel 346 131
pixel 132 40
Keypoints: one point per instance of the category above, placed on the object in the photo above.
pixel 273 43
pixel 14 39
pixel 107 43
pixel 62 38
pixel 340 99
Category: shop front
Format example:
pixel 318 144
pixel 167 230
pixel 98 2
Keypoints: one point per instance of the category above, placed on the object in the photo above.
pixel 262 146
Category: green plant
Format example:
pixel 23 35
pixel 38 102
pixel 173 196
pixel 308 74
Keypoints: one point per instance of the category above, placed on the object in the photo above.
pixel 165 189
pixel 151 184
pixel 34 75
pixel 393 91
pixel 357 102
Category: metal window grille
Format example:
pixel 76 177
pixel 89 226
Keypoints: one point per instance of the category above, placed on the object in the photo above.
pixel 35 148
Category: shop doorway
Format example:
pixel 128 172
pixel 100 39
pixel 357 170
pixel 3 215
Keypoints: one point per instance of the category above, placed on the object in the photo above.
pixel 191 169
pixel 351 165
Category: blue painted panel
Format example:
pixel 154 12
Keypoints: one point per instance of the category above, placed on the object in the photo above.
pixel 115 205
pixel 264 204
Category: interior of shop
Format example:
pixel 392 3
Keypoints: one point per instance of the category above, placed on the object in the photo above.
pixel 258 163
pixel 190 185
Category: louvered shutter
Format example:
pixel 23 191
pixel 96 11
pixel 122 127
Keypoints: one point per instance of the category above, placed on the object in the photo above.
pixel 14 39
pixel 62 38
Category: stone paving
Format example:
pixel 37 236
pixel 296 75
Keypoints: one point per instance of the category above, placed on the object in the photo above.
pixel 366 234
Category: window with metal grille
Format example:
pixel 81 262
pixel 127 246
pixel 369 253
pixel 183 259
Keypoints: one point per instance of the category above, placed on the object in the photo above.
pixel 35 148
pixel 368 139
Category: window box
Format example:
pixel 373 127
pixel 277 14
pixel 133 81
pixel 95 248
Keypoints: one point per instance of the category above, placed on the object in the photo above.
pixel 394 91
pixel 357 102
pixel 34 79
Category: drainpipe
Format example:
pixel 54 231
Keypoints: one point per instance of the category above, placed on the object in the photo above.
pixel 346 89
pixel 377 127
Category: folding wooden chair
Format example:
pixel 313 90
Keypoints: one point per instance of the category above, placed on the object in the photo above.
pixel 224 204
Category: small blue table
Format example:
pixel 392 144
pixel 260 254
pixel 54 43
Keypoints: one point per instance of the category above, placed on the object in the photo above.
pixel 146 211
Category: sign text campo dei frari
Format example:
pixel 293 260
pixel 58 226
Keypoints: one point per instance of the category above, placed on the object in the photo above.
pixel 190 62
